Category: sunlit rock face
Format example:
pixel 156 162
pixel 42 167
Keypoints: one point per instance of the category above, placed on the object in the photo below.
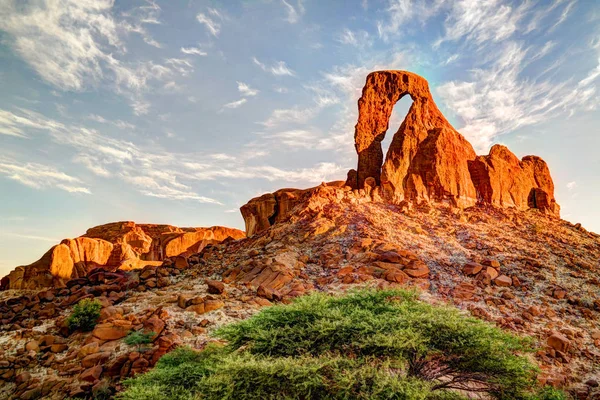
pixel 429 161
pixel 118 245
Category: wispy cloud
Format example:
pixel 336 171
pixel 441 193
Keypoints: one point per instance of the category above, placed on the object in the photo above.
pixel 358 39
pixel 246 90
pixel 39 176
pixel 75 45
pixel 118 123
pixel 293 12
pixel 32 237
pixel 211 20
pixel 235 104
pixel 279 68
pixel 193 51
pixel 571 186
pixel 497 99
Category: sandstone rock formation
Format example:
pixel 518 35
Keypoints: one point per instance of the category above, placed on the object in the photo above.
pixel 429 161
pixel 118 245
pixel 263 211
pixel 505 181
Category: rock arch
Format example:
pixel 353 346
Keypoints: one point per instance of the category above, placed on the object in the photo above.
pixel 418 165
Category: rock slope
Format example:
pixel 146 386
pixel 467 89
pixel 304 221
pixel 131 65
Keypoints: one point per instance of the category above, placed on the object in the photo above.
pixel 118 245
pixel 479 232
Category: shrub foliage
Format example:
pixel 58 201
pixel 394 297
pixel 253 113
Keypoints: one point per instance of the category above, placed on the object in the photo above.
pixel 85 315
pixel 139 339
pixel 365 345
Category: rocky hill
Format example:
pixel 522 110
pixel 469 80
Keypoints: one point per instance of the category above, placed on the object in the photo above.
pixel 118 245
pixel 480 232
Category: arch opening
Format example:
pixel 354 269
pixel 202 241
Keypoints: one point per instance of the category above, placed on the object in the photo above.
pixel 399 114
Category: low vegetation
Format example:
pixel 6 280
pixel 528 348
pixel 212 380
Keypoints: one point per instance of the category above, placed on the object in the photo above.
pixel 139 339
pixel 85 315
pixel 364 345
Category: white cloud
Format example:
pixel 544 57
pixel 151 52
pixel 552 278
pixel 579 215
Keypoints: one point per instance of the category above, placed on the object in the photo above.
pixel 74 45
pixel 39 176
pixel 571 185
pixel 33 237
pixel 401 12
pixel 358 39
pixel 211 23
pixel 497 99
pixel 501 21
pixel 290 115
pixel 235 104
pixel 246 90
pixel 563 16
pixel 294 13
pixel 193 51
pixel 118 123
pixel 280 68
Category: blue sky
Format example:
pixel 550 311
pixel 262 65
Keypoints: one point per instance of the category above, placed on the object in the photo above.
pixel 180 111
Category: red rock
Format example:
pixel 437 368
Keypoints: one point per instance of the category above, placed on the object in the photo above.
pixel 86 350
pixel 427 158
pixel 559 293
pixel 182 301
pixel 95 359
pixel 58 347
pixel 472 268
pixel 268 293
pixel 181 262
pixel 154 324
pixel 492 263
pixel 558 342
pixel 492 272
pixel 111 246
pixel 211 305
pixel 263 211
pixel 503 280
pixel 396 275
pixel 215 287
pixel 91 374
pixel 197 308
pixel 32 346
pixel 112 330
pixel 417 269
pixel 503 180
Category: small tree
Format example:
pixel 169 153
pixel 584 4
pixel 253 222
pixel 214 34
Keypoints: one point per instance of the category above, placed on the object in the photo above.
pixel 85 315
pixel 139 339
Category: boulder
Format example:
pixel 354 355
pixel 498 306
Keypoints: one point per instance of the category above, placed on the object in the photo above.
pixel 215 287
pixel 112 330
pixel 472 268
pixel 558 342
pixel 503 280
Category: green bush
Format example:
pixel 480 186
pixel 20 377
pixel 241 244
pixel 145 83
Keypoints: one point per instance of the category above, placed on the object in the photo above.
pixel 139 339
pixel 85 315
pixel 364 345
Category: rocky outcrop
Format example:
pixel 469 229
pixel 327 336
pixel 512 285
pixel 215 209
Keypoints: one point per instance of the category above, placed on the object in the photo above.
pixel 263 211
pixel 118 245
pixel 429 161
pixel 503 180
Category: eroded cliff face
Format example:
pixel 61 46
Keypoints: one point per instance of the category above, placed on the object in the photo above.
pixel 118 245
pixel 428 161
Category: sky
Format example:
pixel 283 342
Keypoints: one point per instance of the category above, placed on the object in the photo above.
pixel 179 112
